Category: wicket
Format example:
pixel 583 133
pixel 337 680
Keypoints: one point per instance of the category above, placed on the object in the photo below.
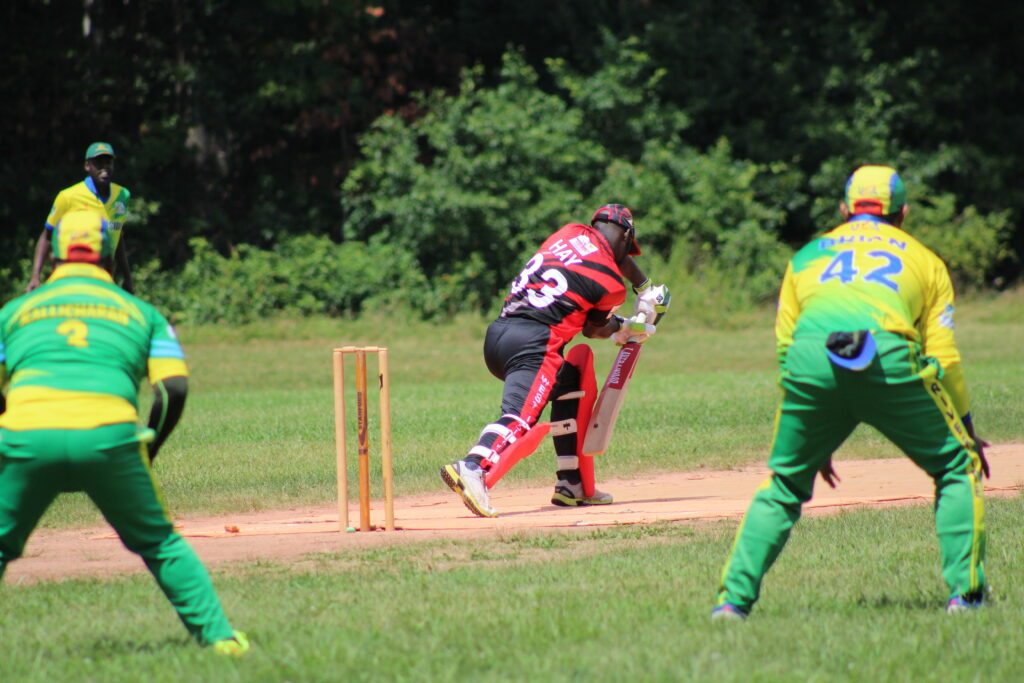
pixel 363 441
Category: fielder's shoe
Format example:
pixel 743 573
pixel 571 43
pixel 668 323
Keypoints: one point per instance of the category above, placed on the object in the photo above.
pixel 235 646
pixel 964 603
pixel 467 480
pixel 571 495
pixel 728 612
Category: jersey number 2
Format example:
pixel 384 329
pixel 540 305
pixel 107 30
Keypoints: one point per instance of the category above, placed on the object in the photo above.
pixel 76 332
pixel 842 267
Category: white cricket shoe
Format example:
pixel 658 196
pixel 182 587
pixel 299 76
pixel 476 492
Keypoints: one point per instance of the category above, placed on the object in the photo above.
pixel 571 495
pixel 467 480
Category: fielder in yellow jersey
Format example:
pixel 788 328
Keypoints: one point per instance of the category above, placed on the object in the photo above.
pixel 865 334
pixel 96 193
pixel 73 352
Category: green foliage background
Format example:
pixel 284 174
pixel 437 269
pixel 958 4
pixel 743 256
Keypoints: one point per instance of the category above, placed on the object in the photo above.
pixel 300 156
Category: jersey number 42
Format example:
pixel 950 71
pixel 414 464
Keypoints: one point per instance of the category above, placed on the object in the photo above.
pixel 842 267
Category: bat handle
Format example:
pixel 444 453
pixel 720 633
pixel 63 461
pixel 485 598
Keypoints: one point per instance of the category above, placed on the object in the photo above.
pixel 640 318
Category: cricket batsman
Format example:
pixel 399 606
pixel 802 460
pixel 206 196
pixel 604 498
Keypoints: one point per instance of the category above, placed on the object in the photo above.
pixel 73 352
pixel 573 284
pixel 865 334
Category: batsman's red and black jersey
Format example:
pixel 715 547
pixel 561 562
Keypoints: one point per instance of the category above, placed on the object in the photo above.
pixel 574 276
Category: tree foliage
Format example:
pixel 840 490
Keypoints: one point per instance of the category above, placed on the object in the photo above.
pixel 457 134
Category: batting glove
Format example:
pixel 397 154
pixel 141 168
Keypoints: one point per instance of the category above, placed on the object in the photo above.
pixel 652 301
pixel 632 330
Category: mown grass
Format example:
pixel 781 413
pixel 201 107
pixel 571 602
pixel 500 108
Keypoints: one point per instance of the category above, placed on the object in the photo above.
pixel 856 596
pixel 258 428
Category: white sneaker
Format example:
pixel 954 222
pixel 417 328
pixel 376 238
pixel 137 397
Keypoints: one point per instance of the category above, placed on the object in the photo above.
pixel 468 481
pixel 571 495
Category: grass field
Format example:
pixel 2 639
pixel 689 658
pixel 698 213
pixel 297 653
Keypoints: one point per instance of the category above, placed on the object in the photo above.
pixel 856 596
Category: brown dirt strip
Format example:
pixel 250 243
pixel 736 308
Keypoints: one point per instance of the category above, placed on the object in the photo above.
pixel 678 497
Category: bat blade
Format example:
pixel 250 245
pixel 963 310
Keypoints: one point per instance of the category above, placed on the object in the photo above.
pixel 613 393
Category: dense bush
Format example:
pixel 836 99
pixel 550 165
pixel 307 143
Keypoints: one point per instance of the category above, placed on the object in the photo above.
pixel 306 275
pixel 481 178
pixel 707 212
pixel 11 284
pixel 486 174
pixel 443 207
pixel 249 115
pixel 972 245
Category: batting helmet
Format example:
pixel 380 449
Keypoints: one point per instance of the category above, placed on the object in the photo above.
pixel 620 216
pixel 876 190
pixel 81 236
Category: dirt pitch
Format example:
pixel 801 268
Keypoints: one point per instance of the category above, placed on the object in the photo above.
pixel 677 497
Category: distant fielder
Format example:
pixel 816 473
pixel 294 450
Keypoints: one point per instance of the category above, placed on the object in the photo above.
pixel 74 351
pixel 96 193
pixel 572 284
pixel 865 334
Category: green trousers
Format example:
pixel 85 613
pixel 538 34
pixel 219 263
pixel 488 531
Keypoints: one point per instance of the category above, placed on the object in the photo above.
pixel 111 466
pixel 898 394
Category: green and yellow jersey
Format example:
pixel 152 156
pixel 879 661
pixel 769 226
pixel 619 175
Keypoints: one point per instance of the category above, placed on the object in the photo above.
pixel 869 275
pixel 83 196
pixel 75 350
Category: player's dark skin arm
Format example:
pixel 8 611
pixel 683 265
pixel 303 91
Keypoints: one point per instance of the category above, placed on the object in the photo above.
pixel 599 324
pixel 42 249
pixel 121 258
pixel 979 444
pixel 603 329
pixel 632 272
pixel 620 240
pixel 168 403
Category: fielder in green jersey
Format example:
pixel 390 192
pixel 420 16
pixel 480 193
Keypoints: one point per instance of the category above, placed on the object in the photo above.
pixel 73 353
pixel 865 334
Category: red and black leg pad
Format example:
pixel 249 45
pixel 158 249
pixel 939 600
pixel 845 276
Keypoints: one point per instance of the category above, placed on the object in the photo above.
pixel 510 450
pixel 576 382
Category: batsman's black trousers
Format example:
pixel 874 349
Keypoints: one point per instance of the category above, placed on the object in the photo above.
pixel 527 357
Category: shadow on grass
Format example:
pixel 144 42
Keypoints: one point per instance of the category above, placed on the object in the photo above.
pixel 910 604
pixel 106 647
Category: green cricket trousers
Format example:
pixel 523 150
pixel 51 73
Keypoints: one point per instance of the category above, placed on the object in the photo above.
pixel 900 395
pixel 111 466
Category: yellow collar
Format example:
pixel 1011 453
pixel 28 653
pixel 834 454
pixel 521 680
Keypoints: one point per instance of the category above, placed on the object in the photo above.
pixel 80 270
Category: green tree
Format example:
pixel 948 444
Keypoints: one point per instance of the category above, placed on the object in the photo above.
pixel 483 174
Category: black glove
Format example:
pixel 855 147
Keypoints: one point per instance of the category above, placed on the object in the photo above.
pixel 168 402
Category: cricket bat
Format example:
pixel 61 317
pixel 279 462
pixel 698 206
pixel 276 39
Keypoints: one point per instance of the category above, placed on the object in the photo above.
pixel 609 401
